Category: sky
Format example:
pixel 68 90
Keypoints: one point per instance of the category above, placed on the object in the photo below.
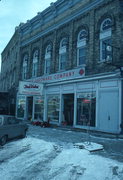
pixel 13 12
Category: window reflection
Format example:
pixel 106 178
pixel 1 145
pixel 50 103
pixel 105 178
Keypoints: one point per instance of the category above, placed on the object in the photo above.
pixel 53 108
pixel 39 108
pixel 86 108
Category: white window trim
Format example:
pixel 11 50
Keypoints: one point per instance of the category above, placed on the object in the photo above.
pixel 62 51
pixel 103 38
pixel 48 55
pixel 80 44
pixel 35 62
pixel 33 68
pixel 104 35
pixel 60 61
pixel 101 28
pixel 24 71
pixel 47 59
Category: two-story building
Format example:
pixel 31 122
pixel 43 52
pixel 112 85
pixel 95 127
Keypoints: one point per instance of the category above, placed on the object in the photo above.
pixel 70 62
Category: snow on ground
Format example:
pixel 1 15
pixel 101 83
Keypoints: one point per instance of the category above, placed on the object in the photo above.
pixel 81 165
pixel 89 146
pixel 36 159
pixel 26 155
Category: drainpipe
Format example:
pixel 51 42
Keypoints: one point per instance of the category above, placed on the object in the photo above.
pixel 121 125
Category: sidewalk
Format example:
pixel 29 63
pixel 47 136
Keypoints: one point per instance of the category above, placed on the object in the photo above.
pixel 91 132
pixel 66 136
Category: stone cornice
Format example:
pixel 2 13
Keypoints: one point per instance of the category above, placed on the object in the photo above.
pixel 66 20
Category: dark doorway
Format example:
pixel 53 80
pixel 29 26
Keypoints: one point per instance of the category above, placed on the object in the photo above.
pixel 68 108
pixel 29 107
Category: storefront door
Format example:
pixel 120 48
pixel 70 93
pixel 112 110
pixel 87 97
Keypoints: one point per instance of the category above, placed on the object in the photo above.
pixel 109 111
pixel 29 107
pixel 68 108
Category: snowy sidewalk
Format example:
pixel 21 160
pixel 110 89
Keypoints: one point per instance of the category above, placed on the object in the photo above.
pixel 35 159
pixel 49 154
pixel 113 147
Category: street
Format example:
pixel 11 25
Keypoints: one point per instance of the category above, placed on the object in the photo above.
pixel 50 154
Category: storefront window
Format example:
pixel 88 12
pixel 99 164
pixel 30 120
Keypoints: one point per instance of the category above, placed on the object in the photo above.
pixel 39 107
pixel 53 108
pixel 86 109
pixel 21 104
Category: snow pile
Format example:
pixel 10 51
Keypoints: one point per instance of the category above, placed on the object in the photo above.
pixel 89 146
pixel 81 165
pixel 34 159
pixel 32 152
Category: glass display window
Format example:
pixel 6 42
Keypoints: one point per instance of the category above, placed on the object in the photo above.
pixel 21 105
pixel 86 109
pixel 53 108
pixel 39 108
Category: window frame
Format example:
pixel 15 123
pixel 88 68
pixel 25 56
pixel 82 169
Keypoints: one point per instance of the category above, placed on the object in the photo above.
pixel 48 55
pixel 81 44
pixel 105 35
pixel 24 67
pixel 63 52
pixel 35 63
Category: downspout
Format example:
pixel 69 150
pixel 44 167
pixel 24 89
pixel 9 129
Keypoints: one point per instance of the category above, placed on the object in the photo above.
pixel 121 125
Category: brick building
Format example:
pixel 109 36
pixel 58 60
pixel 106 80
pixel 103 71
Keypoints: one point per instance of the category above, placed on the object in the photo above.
pixel 9 78
pixel 70 61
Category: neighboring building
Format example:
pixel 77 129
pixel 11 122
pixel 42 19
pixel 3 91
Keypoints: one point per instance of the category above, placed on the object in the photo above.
pixel 4 101
pixel 70 65
pixel 9 78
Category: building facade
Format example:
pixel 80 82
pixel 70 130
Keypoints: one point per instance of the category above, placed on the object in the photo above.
pixel 9 76
pixel 70 62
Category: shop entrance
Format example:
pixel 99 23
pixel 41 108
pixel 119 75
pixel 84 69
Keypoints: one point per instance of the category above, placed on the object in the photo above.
pixel 29 107
pixel 68 109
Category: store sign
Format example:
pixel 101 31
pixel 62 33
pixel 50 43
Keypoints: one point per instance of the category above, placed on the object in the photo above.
pixel 30 88
pixel 66 75
pixel 84 95
pixel 86 101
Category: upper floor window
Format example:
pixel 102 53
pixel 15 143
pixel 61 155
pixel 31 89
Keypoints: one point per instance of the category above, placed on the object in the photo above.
pixel 24 68
pixel 47 59
pixel 81 47
pixel 106 24
pixel 106 40
pixel 35 63
pixel 63 54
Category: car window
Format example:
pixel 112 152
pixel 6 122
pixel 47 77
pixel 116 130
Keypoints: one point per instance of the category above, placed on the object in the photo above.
pixel 12 120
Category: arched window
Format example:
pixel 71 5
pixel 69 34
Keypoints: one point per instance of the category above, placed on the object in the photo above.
pixel 105 40
pixel 106 24
pixel 81 47
pixel 63 54
pixel 35 63
pixel 47 59
pixel 24 68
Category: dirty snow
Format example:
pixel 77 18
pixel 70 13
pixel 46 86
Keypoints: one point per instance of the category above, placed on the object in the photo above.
pixel 36 159
pixel 89 146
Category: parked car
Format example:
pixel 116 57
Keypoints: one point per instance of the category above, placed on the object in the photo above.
pixel 11 127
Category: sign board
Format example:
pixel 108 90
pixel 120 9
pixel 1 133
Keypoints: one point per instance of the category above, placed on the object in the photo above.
pixel 61 76
pixel 30 88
